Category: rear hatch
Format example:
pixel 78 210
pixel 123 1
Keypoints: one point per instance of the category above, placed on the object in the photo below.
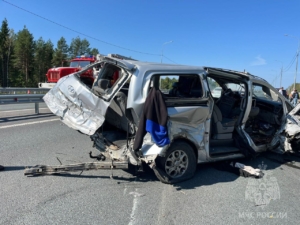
pixel 82 108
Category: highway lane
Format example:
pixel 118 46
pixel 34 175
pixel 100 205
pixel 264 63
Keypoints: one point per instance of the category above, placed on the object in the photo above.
pixel 213 196
pixel 24 114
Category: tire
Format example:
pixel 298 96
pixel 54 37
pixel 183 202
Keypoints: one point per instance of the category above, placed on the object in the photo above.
pixel 178 165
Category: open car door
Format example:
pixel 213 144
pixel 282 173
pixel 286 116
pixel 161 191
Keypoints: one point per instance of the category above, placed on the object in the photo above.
pixel 82 108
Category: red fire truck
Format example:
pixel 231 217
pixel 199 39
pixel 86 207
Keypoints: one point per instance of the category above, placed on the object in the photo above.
pixel 76 64
pixel 54 74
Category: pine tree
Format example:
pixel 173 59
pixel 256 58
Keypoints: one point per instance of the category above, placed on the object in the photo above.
pixel 85 47
pixel 48 59
pixel 24 56
pixel 60 55
pixel 94 52
pixel 12 71
pixel 39 58
pixel 42 58
pixel 5 46
pixel 79 47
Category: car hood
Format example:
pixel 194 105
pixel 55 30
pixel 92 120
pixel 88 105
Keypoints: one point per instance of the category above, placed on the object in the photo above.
pixel 77 106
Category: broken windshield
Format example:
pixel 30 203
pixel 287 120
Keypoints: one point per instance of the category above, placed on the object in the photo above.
pixel 236 87
pixel 80 64
pixel 263 92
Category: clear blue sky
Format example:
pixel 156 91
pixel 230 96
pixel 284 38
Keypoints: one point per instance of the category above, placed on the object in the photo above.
pixel 232 34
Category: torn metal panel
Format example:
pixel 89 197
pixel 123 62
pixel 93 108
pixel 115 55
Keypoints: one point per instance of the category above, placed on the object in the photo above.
pixel 291 128
pixel 293 122
pixel 189 115
pixel 192 132
pixel 290 131
pixel 77 106
pixel 295 112
pixel 188 122
pixel 150 148
pixel 291 134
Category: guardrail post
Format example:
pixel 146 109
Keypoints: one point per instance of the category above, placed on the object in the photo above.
pixel 36 108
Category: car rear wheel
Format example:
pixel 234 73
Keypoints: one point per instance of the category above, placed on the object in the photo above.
pixel 178 165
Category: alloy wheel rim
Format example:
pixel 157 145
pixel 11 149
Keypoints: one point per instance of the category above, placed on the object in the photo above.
pixel 176 164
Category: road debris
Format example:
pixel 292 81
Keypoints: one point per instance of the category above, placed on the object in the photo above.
pixel 47 170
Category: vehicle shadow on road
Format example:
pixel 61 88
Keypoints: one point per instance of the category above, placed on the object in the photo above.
pixel 212 173
pixel 131 175
pixel 116 178
pixel 12 168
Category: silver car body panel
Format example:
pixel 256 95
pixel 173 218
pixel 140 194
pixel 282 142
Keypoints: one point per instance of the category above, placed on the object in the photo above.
pixel 77 106
pixel 142 74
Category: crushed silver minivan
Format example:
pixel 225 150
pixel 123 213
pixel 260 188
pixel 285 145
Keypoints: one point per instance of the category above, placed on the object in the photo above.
pixel 165 115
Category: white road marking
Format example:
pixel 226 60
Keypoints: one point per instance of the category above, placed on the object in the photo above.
pixel 162 211
pixel 30 123
pixel 19 110
pixel 125 189
pixel 134 207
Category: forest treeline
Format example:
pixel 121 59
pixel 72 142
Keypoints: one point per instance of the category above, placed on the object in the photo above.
pixel 25 61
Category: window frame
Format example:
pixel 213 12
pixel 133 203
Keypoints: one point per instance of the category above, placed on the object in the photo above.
pixel 180 101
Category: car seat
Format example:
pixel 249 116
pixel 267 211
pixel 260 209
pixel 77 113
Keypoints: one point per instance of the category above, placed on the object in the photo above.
pixel 222 128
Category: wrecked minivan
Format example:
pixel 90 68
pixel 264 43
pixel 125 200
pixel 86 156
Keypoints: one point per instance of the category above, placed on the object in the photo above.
pixel 165 116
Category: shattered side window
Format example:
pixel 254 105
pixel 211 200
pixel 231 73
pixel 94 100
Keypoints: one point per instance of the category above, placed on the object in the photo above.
pixel 214 87
pixel 179 86
pixel 263 92
pixel 212 84
pixel 236 87
pixel 166 83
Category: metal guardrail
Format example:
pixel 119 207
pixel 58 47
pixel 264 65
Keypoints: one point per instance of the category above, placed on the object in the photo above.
pixel 23 96
pixel 22 99
pixel 16 91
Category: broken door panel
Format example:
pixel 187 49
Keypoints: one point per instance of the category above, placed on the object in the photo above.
pixel 77 106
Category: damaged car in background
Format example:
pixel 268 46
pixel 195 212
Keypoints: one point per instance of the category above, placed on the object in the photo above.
pixel 166 117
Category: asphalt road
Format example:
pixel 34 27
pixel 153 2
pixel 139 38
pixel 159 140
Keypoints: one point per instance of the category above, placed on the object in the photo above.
pixel 213 196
